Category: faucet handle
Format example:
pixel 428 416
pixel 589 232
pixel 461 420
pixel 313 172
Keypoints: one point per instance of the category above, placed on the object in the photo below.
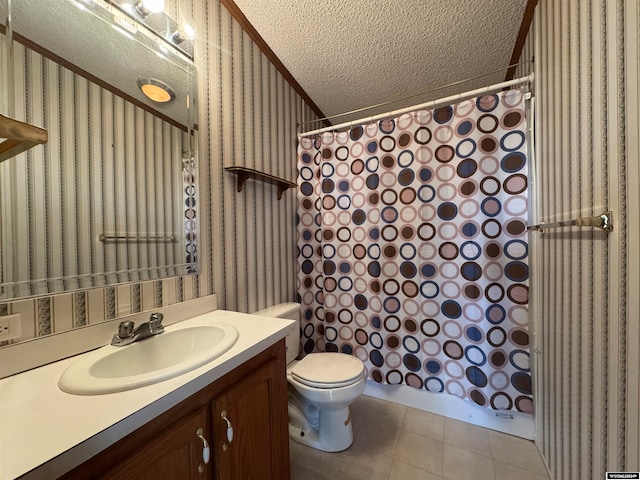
pixel 125 329
pixel 155 323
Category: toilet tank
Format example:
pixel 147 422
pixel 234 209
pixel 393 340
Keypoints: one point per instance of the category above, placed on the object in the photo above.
pixel 289 311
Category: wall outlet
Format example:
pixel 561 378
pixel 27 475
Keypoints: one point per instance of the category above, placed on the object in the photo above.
pixel 10 327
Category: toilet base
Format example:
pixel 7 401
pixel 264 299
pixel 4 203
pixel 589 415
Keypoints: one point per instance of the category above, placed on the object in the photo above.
pixel 333 431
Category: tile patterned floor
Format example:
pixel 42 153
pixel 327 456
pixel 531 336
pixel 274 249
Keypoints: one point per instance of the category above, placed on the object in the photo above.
pixel 394 442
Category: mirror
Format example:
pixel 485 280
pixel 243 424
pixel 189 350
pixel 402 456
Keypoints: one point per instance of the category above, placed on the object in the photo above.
pixel 110 198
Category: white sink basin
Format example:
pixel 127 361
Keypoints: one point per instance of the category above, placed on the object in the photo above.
pixel 113 369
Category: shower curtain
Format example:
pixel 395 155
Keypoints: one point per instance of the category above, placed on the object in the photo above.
pixel 412 249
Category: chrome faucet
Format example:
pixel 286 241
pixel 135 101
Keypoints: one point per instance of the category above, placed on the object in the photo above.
pixel 127 333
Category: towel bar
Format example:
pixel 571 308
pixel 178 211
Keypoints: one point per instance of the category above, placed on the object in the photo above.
pixel 137 238
pixel 600 221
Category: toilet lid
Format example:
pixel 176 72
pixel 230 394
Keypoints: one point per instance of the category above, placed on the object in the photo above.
pixel 328 370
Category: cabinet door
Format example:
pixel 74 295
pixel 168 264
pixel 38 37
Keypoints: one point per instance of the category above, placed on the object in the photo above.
pixel 256 408
pixel 175 454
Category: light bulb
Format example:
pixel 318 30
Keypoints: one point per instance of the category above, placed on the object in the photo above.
pixel 185 31
pixel 189 30
pixel 154 6
pixel 144 8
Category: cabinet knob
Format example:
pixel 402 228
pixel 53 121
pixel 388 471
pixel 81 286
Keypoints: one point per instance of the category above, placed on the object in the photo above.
pixel 206 451
pixel 223 415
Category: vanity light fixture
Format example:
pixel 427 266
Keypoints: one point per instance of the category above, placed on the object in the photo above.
pixel 144 8
pixel 185 31
pixel 156 90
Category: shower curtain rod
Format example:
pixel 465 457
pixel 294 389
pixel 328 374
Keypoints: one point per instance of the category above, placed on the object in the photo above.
pixel 390 102
pixel 427 105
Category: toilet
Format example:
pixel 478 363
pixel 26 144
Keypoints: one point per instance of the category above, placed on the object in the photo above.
pixel 321 388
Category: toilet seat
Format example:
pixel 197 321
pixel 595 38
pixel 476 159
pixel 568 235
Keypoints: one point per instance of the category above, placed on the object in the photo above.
pixel 328 370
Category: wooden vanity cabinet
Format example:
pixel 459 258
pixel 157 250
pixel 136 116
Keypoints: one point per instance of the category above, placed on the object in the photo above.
pixel 257 439
pixel 253 398
pixel 175 453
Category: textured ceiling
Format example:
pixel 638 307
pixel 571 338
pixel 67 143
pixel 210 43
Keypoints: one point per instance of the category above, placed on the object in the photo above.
pixel 348 54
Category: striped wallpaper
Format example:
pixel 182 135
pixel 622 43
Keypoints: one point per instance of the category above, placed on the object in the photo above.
pixel 247 116
pixel 585 285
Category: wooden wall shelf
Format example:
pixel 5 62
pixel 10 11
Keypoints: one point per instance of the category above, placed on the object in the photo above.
pixel 18 137
pixel 244 174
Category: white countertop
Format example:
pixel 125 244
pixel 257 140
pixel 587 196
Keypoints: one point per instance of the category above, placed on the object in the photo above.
pixel 45 432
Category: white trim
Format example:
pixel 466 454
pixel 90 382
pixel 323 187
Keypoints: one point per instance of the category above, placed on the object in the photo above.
pixel 521 424
pixel 422 106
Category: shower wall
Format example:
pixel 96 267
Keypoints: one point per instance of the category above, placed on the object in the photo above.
pixel 585 284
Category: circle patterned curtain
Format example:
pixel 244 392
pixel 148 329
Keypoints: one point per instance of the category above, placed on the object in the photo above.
pixel 412 249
